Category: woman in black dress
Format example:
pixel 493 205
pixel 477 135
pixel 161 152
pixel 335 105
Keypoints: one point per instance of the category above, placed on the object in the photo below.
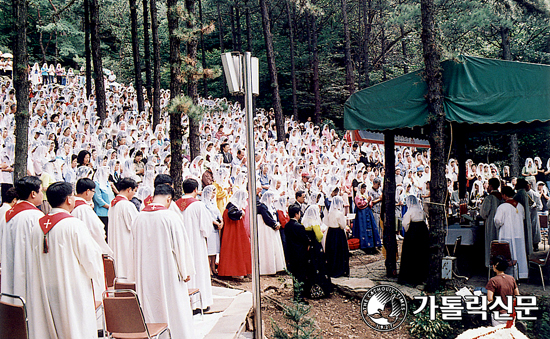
pixel 317 284
pixel 336 243
pixel 415 256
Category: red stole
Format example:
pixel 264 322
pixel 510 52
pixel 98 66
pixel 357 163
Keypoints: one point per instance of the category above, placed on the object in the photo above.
pixel 153 207
pixel 512 202
pixel 148 200
pixel 184 203
pixel 19 207
pixel 48 222
pixel 80 203
pixel 497 195
pixel 117 199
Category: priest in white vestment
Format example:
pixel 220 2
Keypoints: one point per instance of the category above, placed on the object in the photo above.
pixel 509 222
pixel 121 217
pixel 66 260
pixel 188 255
pixel 16 250
pixel 9 199
pixel 198 224
pixel 162 268
pixel 85 189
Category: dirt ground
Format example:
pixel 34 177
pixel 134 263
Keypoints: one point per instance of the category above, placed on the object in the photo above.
pixel 337 316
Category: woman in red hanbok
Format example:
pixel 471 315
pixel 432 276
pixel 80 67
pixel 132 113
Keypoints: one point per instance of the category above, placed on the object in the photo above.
pixel 235 258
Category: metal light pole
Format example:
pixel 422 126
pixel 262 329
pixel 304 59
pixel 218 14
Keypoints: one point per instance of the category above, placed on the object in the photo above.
pixel 242 78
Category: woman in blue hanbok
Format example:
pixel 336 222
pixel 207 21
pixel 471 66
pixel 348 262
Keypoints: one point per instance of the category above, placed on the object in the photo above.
pixel 365 228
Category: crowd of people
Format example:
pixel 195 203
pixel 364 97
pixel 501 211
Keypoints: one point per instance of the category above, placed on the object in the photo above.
pixel 311 188
pixel 6 64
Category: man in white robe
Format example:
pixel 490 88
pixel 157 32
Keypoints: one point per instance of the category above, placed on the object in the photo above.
pixel 166 179
pixel 198 224
pixel 16 250
pixel 85 189
pixel 161 266
pixel 509 222
pixel 66 260
pixel 121 217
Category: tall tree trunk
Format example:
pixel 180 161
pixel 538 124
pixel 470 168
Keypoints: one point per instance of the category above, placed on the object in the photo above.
pixel 192 87
pixel 390 243
pixel 222 47
pixel 438 187
pixel 279 121
pixel 156 64
pixel 135 53
pixel 87 49
pixel 514 147
pixel 21 86
pixel 315 64
pixel 147 51
pixel 220 27
pixel 505 43
pixel 43 48
pixel 292 63
pixel 238 26
pixel 248 27
pixel 367 17
pixel 350 79
pixel 404 50
pixel 383 48
pixel 96 56
pixel 203 56
pixel 176 131
pixel 233 29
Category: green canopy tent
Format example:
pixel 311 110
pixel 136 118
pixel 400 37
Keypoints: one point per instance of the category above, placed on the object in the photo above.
pixel 476 91
pixel 482 94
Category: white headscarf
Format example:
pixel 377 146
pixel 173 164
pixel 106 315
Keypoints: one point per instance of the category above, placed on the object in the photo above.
pixel 101 177
pixel 239 198
pixel 209 199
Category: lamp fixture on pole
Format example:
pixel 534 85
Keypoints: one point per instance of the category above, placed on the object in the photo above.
pixel 242 75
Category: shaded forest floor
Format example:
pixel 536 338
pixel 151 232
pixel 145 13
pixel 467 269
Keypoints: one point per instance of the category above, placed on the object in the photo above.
pixel 337 316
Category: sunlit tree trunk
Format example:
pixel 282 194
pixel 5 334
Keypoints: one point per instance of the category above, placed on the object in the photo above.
pixel 21 86
pixel 438 187
pixel 136 56
pixel 98 64
pixel 266 25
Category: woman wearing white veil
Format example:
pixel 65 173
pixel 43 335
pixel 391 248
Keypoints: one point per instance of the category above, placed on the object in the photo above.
pixel 318 283
pixel 529 171
pixel 103 194
pixel 83 172
pixel 213 240
pixel 146 189
pixel 415 257
pixel 336 243
pixel 272 257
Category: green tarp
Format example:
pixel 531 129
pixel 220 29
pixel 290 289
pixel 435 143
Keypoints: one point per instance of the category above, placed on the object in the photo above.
pixel 476 91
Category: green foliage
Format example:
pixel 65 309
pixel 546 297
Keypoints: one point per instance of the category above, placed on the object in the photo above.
pixel 464 27
pixel 302 326
pixel 540 328
pixel 422 327
pixel 183 104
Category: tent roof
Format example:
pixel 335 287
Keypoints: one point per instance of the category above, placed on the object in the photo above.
pixel 476 91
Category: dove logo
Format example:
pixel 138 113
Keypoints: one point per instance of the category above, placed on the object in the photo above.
pixel 384 308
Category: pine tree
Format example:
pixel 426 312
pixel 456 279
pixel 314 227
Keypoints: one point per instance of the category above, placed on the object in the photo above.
pixel 296 314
